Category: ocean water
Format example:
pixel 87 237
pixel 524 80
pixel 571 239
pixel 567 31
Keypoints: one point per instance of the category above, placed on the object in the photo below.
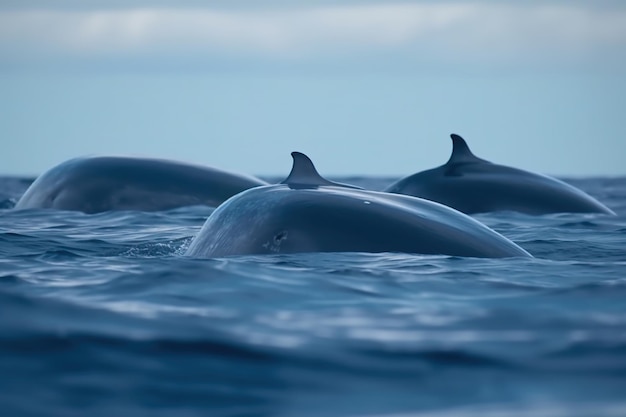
pixel 101 315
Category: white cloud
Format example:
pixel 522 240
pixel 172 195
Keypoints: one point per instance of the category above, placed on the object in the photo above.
pixel 443 31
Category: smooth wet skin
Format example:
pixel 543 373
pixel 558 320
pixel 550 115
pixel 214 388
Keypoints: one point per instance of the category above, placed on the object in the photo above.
pixel 97 184
pixel 473 185
pixel 310 214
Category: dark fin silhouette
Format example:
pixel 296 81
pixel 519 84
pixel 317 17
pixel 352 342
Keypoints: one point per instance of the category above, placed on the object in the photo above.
pixel 460 151
pixel 303 174
pixel 461 155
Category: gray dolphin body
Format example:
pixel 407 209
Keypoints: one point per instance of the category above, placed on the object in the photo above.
pixel 307 213
pixel 96 184
pixel 473 185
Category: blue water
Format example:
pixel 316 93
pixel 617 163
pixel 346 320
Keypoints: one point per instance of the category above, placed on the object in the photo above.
pixel 101 315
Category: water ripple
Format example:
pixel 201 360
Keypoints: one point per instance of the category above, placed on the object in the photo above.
pixel 102 315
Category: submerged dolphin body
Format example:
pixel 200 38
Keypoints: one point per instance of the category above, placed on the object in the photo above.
pixel 307 213
pixel 103 183
pixel 473 185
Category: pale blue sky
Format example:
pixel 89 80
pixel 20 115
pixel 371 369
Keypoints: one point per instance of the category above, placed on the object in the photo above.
pixel 365 88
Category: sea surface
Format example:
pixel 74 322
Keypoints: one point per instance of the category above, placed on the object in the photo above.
pixel 102 315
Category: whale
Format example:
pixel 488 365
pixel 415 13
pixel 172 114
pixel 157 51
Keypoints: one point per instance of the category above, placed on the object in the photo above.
pixel 474 185
pixel 95 184
pixel 307 213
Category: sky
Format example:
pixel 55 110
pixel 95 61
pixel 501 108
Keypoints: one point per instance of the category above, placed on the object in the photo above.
pixel 368 88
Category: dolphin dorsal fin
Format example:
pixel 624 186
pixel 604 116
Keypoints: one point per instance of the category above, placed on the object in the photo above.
pixel 461 153
pixel 303 174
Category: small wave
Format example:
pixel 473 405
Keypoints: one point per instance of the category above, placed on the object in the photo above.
pixel 609 287
pixel 174 247
pixel 438 357
pixel 7 203
pixel 579 408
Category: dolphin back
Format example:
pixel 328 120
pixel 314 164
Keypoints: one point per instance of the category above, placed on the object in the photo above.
pixel 96 184
pixel 473 185
pixel 279 219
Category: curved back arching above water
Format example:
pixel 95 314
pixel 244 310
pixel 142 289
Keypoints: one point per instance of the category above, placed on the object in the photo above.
pixel 310 214
pixel 474 185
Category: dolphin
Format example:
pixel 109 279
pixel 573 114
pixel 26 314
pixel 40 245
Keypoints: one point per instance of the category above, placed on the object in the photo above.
pixel 473 185
pixel 307 213
pixel 103 183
